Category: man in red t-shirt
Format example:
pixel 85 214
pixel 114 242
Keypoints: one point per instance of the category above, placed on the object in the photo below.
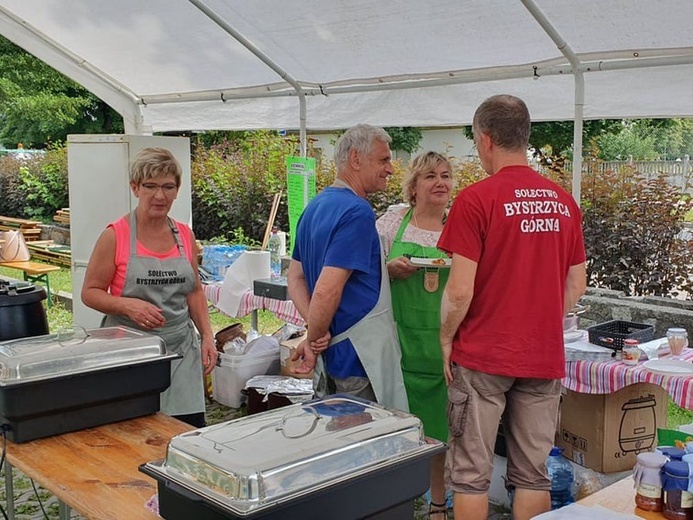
pixel 518 265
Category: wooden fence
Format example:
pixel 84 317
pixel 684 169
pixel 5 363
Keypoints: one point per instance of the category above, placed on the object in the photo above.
pixel 677 173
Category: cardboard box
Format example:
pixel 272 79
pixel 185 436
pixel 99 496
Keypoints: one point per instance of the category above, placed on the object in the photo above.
pixel 605 432
pixel 286 350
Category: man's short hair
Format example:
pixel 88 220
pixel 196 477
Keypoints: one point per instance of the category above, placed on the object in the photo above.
pixel 359 138
pixel 505 119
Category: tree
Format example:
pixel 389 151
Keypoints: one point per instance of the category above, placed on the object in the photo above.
pixel 405 138
pixel 38 105
pixel 556 138
pixel 633 141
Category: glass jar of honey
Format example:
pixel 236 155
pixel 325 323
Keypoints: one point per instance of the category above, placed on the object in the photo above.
pixel 648 481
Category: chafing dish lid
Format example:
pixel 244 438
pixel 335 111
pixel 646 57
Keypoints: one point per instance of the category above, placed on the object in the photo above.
pixel 258 459
pixel 76 350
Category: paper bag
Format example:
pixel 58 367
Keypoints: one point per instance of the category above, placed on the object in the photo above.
pixel 13 248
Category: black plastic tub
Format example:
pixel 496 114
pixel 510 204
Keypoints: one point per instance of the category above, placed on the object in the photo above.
pixel 386 493
pixel 336 457
pixel 35 403
pixel 65 404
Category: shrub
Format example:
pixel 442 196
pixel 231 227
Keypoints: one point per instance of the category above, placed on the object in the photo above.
pixel 35 187
pixel 234 183
pixel 633 233
pixel 45 183
pixel 12 196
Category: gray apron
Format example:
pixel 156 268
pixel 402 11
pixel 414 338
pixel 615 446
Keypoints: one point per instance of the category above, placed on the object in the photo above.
pixel 374 338
pixel 143 280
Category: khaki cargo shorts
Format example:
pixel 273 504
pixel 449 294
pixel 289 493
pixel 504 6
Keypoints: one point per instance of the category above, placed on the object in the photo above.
pixel 476 403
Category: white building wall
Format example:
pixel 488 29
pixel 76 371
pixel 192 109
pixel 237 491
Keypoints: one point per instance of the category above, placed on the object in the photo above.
pixel 450 141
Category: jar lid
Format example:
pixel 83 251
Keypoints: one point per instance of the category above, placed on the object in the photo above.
pixel 677 332
pixel 652 460
pixel 630 342
pixel 677 468
pixel 671 452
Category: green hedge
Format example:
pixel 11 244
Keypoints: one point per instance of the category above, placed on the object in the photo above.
pixel 632 225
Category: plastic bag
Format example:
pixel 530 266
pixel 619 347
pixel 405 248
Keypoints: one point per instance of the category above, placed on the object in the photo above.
pixel 13 249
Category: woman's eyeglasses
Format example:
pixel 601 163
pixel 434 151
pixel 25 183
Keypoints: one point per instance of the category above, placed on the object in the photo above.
pixel 152 187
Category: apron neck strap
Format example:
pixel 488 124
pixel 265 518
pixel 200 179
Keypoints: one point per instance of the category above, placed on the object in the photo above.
pixel 133 234
pixel 404 224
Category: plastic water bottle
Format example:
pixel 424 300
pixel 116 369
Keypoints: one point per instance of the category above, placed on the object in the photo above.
pixel 561 475
pixel 275 245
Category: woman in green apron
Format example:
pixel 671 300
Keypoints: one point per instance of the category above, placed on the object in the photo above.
pixel 418 274
pixel 143 274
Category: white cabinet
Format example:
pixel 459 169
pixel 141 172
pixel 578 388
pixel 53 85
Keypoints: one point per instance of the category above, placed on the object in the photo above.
pixel 98 171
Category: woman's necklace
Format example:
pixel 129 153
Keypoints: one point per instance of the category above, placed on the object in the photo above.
pixel 431 278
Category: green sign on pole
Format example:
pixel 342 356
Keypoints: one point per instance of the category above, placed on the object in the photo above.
pixel 300 188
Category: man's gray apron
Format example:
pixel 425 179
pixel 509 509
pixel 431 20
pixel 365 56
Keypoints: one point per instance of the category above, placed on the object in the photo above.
pixel 374 338
pixel 166 283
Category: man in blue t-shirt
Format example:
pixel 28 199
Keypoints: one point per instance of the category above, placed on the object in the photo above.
pixel 335 277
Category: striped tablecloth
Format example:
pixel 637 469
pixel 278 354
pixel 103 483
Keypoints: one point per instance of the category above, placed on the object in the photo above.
pixel 605 377
pixel 284 310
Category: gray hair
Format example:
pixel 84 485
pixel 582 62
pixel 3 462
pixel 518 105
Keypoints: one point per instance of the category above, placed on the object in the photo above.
pixel 154 162
pixel 505 119
pixel 359 138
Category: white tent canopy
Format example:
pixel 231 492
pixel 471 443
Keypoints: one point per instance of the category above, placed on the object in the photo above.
pixel 326 64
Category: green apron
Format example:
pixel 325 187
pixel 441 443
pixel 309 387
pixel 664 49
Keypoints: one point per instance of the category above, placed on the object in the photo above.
pixel 417 313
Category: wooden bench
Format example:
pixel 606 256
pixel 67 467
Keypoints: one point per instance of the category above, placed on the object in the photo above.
pixel 34 272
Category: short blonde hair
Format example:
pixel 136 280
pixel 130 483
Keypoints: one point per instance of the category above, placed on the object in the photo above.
pixel 154 162
pixel 423 163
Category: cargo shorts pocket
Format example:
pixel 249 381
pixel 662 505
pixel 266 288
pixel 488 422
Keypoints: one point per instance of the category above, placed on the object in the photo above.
pixel 458 407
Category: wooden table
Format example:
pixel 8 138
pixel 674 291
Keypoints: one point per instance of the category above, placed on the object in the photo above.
pixel 34 272
pixel 94 471
pixel 619 497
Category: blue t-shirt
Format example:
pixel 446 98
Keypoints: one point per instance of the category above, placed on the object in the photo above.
pixel 337 229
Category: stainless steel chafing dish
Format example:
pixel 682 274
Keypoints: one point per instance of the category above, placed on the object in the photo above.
pixel 80 378
pixel 337 450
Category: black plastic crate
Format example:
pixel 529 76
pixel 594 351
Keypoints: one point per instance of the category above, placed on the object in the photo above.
pixel 612 333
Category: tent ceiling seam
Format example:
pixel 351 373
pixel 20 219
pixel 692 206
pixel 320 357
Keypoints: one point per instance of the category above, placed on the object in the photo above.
pixel 554 68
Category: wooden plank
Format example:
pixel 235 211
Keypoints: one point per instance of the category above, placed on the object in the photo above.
pixel 95 471
pixel 19 221
pixel 619 497
pixel 32 268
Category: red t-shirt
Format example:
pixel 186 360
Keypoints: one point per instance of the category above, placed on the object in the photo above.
pixel 524 232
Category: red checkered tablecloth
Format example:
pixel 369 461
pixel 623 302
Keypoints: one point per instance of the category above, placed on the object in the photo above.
pixel 284 310
pixel 605 377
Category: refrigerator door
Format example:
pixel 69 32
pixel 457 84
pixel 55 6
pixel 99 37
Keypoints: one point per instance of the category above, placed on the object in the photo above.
pixel 98 170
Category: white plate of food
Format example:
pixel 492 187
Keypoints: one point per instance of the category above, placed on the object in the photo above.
pixel 669 367
pixel 431 262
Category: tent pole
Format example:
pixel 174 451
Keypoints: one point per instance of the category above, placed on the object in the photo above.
pixel 264 59
pixel 276 68
pixel 577 134
pixel 570 55
pixel 302 127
